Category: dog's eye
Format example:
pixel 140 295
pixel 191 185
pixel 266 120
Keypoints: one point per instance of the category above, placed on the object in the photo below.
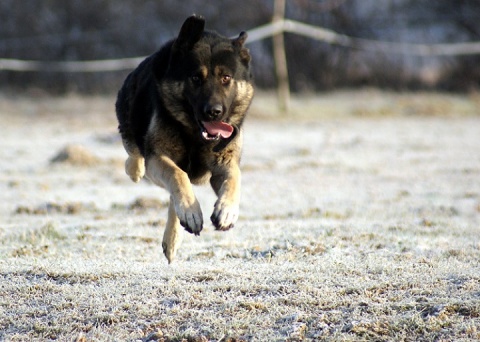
pixel 226 79
pixel 196 79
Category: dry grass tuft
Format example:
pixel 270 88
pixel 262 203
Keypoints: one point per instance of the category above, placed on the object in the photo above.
pixel 76 155
pixel 70 208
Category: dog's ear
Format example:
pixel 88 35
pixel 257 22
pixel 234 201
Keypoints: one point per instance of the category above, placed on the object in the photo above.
pixel 238 44
pixel 190 33
pixel 240 40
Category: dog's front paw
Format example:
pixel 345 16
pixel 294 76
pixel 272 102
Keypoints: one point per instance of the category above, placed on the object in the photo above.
pixel 190 215
pixel 135 168
pixel 224 215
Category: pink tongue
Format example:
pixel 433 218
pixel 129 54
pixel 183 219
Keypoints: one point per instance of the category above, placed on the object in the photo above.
pixel 218 127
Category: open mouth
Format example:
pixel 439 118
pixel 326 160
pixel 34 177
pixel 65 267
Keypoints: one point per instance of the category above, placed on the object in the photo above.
pixel 214 130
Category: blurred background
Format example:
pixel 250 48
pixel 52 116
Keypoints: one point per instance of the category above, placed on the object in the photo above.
pixel 88 30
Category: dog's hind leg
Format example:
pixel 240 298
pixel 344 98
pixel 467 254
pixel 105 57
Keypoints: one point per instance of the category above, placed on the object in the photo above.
pixel 135 163
pixel 172 237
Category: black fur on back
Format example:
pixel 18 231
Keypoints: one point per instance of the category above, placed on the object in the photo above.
pixel 139 97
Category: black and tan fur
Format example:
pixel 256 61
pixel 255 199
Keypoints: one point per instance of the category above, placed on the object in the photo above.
pixel 163 107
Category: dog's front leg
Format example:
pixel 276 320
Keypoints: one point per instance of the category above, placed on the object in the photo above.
pixel 135 163
pixel 164 172
pixel 226 185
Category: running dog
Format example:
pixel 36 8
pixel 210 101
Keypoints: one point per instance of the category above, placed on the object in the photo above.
pixel 180 115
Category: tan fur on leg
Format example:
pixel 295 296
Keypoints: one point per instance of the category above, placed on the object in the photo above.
pixel 227 188
pixel 173 234
pixel 135 168
pixel 165 173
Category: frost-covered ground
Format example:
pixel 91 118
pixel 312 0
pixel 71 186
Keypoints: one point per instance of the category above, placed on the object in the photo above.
pixel 359 221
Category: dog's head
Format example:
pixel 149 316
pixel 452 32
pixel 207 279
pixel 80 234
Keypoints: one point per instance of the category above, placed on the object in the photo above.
pixel 209 75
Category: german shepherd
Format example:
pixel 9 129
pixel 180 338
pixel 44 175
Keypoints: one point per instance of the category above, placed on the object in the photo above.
pixel 180 115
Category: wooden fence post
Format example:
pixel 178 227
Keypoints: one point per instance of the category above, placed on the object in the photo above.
pixel 279 55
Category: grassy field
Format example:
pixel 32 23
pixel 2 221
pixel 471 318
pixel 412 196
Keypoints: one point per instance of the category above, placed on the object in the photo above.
pixel 359 221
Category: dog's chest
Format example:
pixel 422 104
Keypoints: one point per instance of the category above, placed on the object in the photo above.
pixel 197 164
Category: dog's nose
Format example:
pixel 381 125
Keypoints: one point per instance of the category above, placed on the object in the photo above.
pixel 213 111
